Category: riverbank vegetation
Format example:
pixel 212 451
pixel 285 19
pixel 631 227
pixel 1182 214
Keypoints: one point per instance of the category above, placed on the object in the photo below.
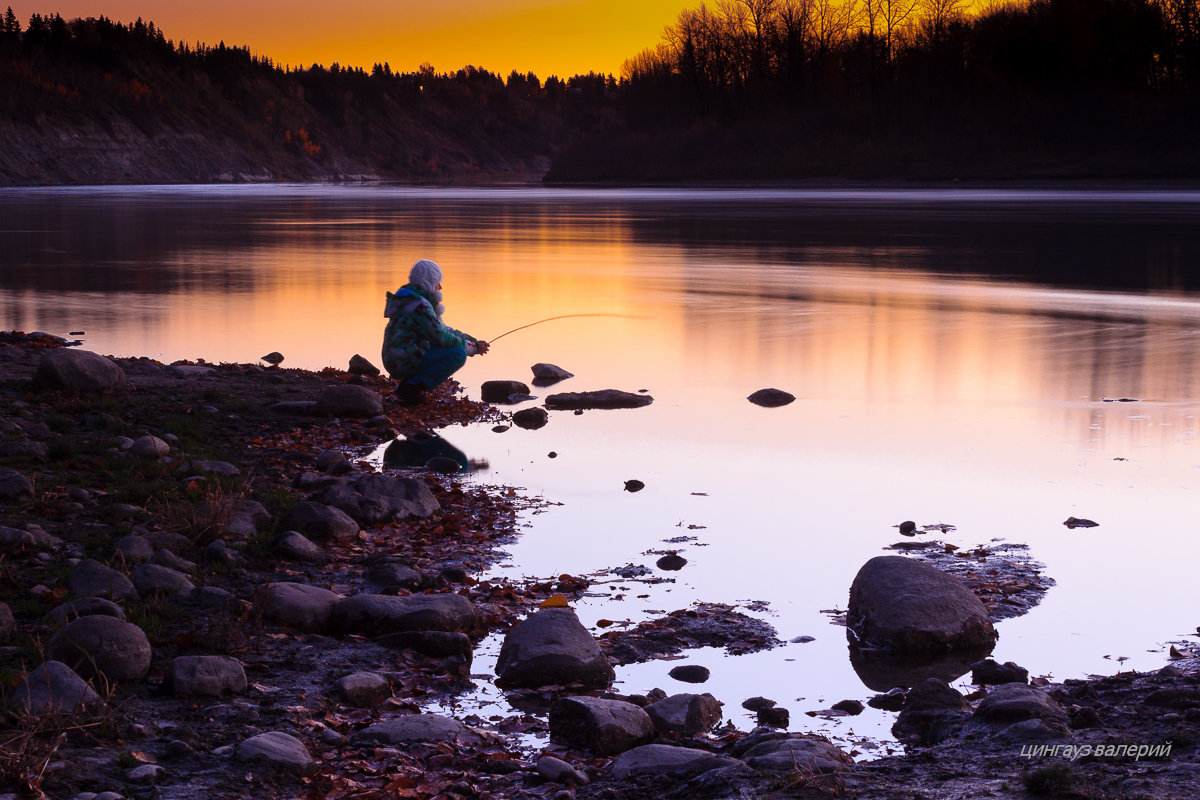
pixel 740 90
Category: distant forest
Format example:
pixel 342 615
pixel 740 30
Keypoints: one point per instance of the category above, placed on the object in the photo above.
pixel 743 90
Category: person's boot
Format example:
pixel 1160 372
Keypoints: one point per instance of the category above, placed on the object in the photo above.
pixel 409 394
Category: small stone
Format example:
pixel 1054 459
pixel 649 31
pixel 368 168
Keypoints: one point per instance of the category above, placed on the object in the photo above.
pixel 851 707
pixel 205 676
pixel 558 771
pixel 776 717
pixel 531 418
pixel 771 398
pixel 671 562
pixel 547 374
pixel 150 447
pixel 100 644
pixel 908 528
pixel 54 688
pixel 274 357
pixel 146 774
pixel 1074 522
pixel 364 689
pixel 14 485
pixel 758 703
pixel 135 548
pixel 278 750
pixel 690 673
pixel 502 391
pixel 294 545
pixel 634 485
pixel 361 366
pixel 991 673
pixel 298 605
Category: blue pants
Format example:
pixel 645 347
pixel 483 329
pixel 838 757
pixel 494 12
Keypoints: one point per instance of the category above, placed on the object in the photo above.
pixel 437 365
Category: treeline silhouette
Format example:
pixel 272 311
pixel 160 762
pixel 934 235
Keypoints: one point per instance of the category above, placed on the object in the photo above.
pixel 93 100
pixel 908 88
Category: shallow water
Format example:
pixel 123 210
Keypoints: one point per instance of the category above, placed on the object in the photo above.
pixel 951 352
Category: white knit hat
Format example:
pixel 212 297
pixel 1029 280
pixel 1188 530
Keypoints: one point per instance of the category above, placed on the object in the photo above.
pixel 425 274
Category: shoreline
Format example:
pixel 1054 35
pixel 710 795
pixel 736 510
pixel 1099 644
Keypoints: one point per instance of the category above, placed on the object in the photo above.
pixel 92 497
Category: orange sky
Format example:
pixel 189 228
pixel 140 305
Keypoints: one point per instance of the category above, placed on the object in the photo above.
pixel 547 37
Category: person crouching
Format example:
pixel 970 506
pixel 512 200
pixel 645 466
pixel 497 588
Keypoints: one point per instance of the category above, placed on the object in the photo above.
pixel 420 350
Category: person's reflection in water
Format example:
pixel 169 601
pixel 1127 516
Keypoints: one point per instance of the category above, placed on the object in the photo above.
pixel 429 451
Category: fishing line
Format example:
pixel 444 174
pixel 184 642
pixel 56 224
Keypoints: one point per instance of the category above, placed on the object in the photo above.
pixel 560 316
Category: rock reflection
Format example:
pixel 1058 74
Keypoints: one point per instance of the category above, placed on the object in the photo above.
pixel 883 670
pixel 432 452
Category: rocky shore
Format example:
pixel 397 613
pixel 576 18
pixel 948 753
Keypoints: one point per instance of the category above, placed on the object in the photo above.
pixel 206 591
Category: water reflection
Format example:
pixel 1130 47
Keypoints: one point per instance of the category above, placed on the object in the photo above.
pixel 429 451
pixel 882 670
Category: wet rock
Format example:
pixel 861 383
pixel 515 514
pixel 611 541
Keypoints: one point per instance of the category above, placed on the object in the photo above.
pixel 548 374
pixel 372 499
pixel 300 606
pixel 604 398
pixel 418 728
pixel 531 418
pixel 667 761
pixel 438 644
pixel 558 771
pixel 501 391
pixel 54 688
pixel 1014 702
pixel 804 753
pixel 672 562
pixel 758 703
pixel 702 625
pixel 102 645
pixel 381 614
pixel 908 528
pixel 320 522
pixel 135 548
pixel 603 727
pixel 364 689
pixel 14 485
pixel 273 357
pixel 81 607
pixel 932 710
pixel 690 673
pixel 151 579
pixel 294 545
pixel 79 371
pixel 93 579
pixel 361 366
pixel 390 577
pixel 911 607
pixel 205 676
pixel 771 398
pixel 279 750
pixel 149 447
pixel 851 707
pixel 551 647
pixel 685 714
pixel 890 701
pixel 347 400
pixel 634 485
pixel 990 673
pixel 775 717
pixel 1074 522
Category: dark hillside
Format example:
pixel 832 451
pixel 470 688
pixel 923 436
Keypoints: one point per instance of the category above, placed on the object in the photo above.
pixel 95 101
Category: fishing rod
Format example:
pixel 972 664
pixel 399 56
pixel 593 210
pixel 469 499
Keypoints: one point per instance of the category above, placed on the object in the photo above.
pixel 560 316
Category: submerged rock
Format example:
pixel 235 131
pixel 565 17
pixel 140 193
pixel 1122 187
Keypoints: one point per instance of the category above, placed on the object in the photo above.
pixel 502 391
pixel 604 398
pixel 531 418
pixel 771 398
pixel 911 607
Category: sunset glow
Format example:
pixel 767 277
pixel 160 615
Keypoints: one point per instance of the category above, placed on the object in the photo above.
pixel 546 37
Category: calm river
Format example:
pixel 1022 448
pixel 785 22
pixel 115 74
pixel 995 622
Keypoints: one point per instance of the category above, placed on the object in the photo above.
pixel 951 352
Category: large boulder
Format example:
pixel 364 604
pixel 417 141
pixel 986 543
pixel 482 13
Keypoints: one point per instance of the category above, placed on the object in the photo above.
pixel 102 645
pixel 1014 702
pixel 54 688
pixel 551 647
pixel 604 398
pixel 373 499
pixel 667 761
pixel 279 750
pixel 205 676
pixel 80 371
pixel 93 579
pixel 300 606
pixel 910 607
pixel 382 614
pixel 685 714
pixel 348 400
pixel 418 728
pixel 797 751
pixel 603 727
pixel 320 522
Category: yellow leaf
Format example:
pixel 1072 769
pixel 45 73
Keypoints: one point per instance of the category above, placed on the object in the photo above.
pixel 555 601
